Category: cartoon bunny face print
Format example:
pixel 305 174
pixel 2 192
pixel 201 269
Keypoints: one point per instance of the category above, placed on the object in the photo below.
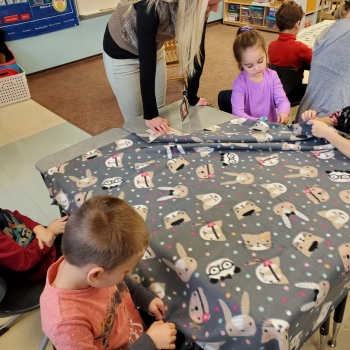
pixel 175 218
pixel 81 198
pixel 276 329
pixel 139 166
pixel 269 160
pixel 144 180
pixel 339 175
pixel 205 171
pixel 229 158
pixel 316 195
pixel 221 269
pixel 307 243
pixel 91 155
pixel 158 289
pixel 244 209
pixel 87 181
pixel 112 182
pixel 295 343
pixel 241 178
pixel 322 315
pixel 275 189
pixel 337 217
pixel 209 200
pixel 285 209
pixel 142 210
pixel 199 308
pixel 260 126
pixel 304 171
pixel 344 251
pixel 269 272
pixel 203 151
pixel 62 200
pixel 123 143
pixel 345 196
pixel 212 232
pixel 115 161
pixel 149 254
pixel 320 291
pixel 213 128
pixel 57 169
pixel 177 164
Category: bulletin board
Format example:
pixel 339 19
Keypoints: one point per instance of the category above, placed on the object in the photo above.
pixel 93 8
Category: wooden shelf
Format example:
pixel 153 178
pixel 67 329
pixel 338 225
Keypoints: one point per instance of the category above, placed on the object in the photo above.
pixel 238 23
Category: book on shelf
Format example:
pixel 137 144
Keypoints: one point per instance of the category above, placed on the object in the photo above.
pixel 263 3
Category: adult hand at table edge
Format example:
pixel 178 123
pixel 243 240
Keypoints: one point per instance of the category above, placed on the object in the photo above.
pixel 158 125
pixel 156 307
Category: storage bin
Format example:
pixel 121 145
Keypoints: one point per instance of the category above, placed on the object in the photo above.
pixel 255 11
pixel 271 22
pixel 233 8
pixel 245 11
pixel 259 21
pixel 14 89
pixel 272 12
pixel 247 19
pixel 233 16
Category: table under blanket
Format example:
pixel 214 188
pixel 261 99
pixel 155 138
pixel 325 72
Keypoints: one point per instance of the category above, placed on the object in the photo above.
pixel 250 244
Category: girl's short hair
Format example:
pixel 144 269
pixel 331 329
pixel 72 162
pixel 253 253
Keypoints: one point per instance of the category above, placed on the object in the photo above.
pixel 342 10
pixel 245 41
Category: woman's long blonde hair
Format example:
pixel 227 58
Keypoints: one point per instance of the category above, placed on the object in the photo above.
pixel 188 30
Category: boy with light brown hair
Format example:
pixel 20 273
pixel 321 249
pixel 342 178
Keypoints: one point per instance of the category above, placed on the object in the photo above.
pixel 89 301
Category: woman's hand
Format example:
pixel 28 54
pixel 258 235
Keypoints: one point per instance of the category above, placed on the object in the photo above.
pixel 282 118
pixel 158 125
pixel 308 115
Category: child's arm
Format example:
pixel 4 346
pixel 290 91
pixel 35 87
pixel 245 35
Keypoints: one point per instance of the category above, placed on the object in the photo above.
pixel 281 101
pixel 305 53
pixel 238 98
pixel 46 236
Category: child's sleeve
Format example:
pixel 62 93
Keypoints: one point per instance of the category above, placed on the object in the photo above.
pixel 238 98
pixel 279 96
pixel 305 53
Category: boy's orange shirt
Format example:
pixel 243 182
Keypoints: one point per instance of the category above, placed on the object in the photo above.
pixel 287 52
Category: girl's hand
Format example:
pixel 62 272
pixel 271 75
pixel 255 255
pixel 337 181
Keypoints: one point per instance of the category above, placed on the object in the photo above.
pixel 57 226
pixel 158 125
pixel 320 129
pixel 163 334
pixel 282 118
pixel 156 307
pixel 308 115
pixel 44 236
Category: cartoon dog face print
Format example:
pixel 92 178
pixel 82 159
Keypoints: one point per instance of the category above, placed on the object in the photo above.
pixel 337 217
pixel 115 161
pixel 229 158
pixel 339 175
pixel 245 208
pixel 263 137
pixel 142 210
pixel 221 269
pixel 275 189
pixel 269 160
pixel 324 154
pixel 213 128
pixel 199 307
pixel 241 178
pixel 320 292
pixel 238 121
pixel 179 191
pixel 185 266
pixel 144 180
pixel 203 151
pixel 149 254
pixel 177 164
pixel 158 289
pixel 307 243
pixel 316 195
pixel 273 328
pixel 322 316
pixel 205 171
pixel 345 196
pixel 212 231
pixel 112 182
pixel 295 343
pixel 291 146
pixel 242 325
pixel 260 126
pixel 209 200
pixel 123 143
pixel 303 171
pixel 176 218
pixel 91 155
pixel 285 209
pixel 87 181
pixel 344 251
pixel 57 169
pixel 139 166
pixel 261 241
pixel 81 198
pixel 269 272
pixel 62 200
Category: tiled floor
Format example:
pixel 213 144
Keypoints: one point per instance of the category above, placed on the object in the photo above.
pixel 29 132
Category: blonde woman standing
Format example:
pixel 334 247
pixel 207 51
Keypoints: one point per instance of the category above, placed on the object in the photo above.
pixel 134 55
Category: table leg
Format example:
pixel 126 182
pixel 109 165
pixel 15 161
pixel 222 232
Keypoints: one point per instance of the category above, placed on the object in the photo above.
pixel 337 321
pixel 324 330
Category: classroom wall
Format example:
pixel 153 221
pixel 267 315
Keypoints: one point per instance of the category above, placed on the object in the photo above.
pixel 64 46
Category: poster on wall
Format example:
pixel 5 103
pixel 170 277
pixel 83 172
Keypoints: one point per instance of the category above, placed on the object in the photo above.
pixel 24 18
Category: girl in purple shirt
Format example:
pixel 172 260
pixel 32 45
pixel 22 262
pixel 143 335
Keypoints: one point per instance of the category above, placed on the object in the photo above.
pixel 257 91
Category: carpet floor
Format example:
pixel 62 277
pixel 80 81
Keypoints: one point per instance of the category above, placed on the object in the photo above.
pixel 80 92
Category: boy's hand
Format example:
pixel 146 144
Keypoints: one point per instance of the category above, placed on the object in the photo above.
pixel 44 236
pixel 156 307
pixel 320 129
pixel 57 226
pixel 282 118
pixel 308 115
pixel 163 334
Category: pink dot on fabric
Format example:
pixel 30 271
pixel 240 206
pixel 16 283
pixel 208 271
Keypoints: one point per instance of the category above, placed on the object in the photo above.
pixel 328 242
pixel 217 309
pixel 153 219
pixel 280 249
pixel 222 284
pixel 244 225
pixel 157 164
pixel 207 334
pixel 170 246
pixel 181 316
pixel 302 294
pixel 154 232
pixel 253 254
pixel 284 300
pixel 294 219
pixel 235 307
pixel 145 264
pixel 319 261
pixel 335 201
pixel 324 226
pixel 286 288
pixel 193 233
pixel 184 305
pixel 331 248
pixel 312 229
pixel 207 254
pixel 71 185
pixel 198 186
pixel 306 265
pixel 257 214
pixel 222 333
pixel 239 195
pixel 303 223
pixel 174 229
pixel 221 205
pixel 270 218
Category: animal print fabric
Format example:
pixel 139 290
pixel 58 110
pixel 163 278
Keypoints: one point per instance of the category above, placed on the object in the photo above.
pixel 250 243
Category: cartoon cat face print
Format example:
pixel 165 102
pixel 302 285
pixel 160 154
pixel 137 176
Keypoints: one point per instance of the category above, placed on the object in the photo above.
pixel 212 231
pixel 91 155
pixel 345 196
pixel 241 178
pixel 263 137
pixel 261 241
pixel 285 209
pixel 203 151
pixel 221 269
pixel 57 169
pixel 275 189
pixel 209 200
pixel 307 243
pixel 273 328
pixel 344 251
pixel 139 166
pixel 158 289
pixel 177 164
pixel 320 292
pixel 112 182
pixel 144 180
pixel 260 126
pixel 115 161
pixel 339 175
pixel 238 121
pixel 324 154
pixel 81 198
pixel 142 210
pixel 304 171
pixel 87 181
pixel 62 200
pixel 269 160
pixel 149 254
pixel 245 208
pixel 205 171
pixel 123 143
pixel 269 272
pixel 316 195
pixel 199 307
pixel 179 191
pixel 337 217
pixel 295 343
pixel 229 158
pixel 176 218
